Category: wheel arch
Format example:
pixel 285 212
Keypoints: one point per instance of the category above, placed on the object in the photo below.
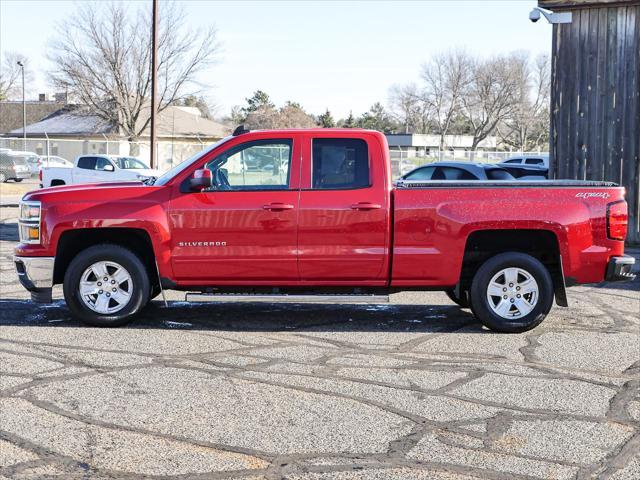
pixel 539 243
pixel 71 242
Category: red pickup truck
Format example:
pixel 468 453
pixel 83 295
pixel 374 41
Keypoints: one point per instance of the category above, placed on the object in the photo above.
pixel 313 216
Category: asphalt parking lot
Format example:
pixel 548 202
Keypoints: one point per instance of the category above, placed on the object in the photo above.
pixel 412 390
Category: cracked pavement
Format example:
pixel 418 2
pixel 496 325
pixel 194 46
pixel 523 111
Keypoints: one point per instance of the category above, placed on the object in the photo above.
pixel 412 390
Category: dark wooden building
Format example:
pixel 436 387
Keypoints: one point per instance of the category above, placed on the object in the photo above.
pixel 595 96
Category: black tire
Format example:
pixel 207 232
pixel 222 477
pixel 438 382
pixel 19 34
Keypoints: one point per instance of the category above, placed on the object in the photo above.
pixel 480 304
pixel 462 300
pixel 18 180
pixel 113 253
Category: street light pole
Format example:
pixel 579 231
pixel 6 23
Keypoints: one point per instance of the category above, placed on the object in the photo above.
pixel 24 110
pixel 154 80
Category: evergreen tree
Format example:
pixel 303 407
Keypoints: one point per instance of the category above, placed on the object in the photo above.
pixel 259 99
pixel 377 119
pixel 350 121
pixel 326 120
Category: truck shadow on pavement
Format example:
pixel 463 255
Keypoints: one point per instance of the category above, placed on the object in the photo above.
pixel 258 317
pixel 9 232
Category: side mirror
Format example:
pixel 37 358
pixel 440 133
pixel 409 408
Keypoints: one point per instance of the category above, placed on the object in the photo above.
pixel 201 180
pixel 108 168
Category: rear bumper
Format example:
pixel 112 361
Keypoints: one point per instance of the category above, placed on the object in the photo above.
pixel 22 175
pixel 619 269
pixel 36 275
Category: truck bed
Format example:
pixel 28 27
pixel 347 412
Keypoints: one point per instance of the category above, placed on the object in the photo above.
pixel 500 183
pixel 435 220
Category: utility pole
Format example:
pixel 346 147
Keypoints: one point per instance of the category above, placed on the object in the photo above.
pixel 154 79
pixel 24 110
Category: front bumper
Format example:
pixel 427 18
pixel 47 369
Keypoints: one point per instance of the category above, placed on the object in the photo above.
pixel 36 275
pixel 619 269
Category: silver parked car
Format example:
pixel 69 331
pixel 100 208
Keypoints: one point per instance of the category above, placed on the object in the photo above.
pixel 31 158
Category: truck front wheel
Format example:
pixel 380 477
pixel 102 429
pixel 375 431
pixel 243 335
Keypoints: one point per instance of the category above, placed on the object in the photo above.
pixel 511 292
pixel 106 285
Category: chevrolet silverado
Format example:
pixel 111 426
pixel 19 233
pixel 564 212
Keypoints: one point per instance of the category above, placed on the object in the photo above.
pixel 313 216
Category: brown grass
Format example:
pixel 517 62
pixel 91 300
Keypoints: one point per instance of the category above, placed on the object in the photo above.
pixel 12 188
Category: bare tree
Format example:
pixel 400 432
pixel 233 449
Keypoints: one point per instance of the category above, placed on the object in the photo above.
pixel 102 57
pixel 293 116
pixel 10 73
pixel 410 108
pixel 490 96
pixel 527 125
pixel 446 79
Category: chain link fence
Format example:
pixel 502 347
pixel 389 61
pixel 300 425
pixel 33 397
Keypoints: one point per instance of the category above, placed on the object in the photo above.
pixel 403 162
pixel 171 153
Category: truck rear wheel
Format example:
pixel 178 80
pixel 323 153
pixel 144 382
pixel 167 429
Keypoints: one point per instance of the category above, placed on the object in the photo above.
pixel 106 285
pixel 511 292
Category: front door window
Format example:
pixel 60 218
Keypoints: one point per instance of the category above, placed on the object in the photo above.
pixel 259 165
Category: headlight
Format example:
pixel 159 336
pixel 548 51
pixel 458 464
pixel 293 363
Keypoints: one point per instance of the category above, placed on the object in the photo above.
pixel 29 222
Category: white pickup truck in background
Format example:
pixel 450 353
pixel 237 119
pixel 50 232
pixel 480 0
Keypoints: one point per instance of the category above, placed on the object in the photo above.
pixel 97 169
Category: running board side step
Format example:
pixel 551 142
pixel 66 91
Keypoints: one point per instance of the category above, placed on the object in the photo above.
pixel 285 298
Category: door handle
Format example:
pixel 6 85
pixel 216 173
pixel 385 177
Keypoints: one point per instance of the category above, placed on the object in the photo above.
pixel 366 206
pixel 277 207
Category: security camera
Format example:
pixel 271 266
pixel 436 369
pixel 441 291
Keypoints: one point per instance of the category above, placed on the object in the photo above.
pixel 552 17
pixel 534 15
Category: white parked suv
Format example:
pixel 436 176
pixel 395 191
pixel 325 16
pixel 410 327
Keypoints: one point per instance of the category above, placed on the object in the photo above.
pixel 97 169
pixel 541 160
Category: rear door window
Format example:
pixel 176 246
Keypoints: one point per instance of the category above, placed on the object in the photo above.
pixel 534 161
pixel 514 160
pixel 453 173
pixel 20 160
pixel 499 174
pixel 424 173
pixel 340 163
pixel 87 163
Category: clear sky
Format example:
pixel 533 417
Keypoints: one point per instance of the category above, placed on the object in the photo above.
pixel 337 55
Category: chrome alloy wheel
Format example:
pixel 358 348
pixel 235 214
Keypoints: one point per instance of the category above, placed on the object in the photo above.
pixel 512 293
pixel 105 287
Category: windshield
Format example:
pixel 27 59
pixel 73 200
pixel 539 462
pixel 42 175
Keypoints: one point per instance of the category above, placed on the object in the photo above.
pixel 130 163
pixel 169 174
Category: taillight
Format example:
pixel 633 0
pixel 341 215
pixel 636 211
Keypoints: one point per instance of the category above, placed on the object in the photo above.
pixel 617 219
pixel 40 175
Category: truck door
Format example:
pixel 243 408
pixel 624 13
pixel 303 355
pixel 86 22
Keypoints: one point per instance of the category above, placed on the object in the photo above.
pixel 243 230
pixel 343 227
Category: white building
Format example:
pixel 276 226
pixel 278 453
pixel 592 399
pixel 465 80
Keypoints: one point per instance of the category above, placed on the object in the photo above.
pixel 408 145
